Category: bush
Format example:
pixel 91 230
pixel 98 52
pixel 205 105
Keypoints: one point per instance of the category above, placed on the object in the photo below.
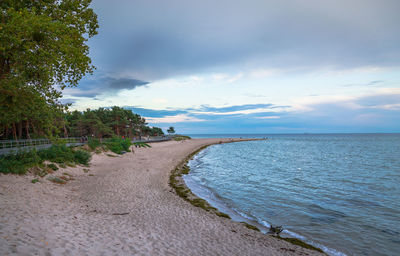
pixel 94 143
pixel 141 145
pixel 20 162
pixel 117 144
pixel 82 157
pixel 53 167
pixel 181 137
pixel 58 153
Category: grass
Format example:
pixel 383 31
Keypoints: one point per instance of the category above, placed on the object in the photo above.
pixel 141 145
pixel 34 181
pixel 53 167
pixel 94 143
pixel 181 137
pixel 118 145
pixel 21 162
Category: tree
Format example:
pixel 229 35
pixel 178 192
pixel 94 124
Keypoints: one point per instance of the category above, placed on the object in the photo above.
pixel 42 50
pixel 171 130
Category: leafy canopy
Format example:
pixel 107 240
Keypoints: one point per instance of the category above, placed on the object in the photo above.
pixel 42 50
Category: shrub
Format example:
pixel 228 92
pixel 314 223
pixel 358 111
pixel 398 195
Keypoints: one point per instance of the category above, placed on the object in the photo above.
pixel 94 143
pixel 53 167
pixel 117 144
pixel 181 137
pixel 141 145
pixel 19 163
pixel 57 153
pixel 82 157
pixel 11 165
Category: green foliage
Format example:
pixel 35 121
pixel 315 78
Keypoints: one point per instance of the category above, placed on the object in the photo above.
pixel 141 145
pixel 181 137
pixel 82 157
pixel 118 145
pixel 94 143
pixel 58 154
pixel 171 130
pixel 34 181
pixel 19 163
pixel 42 44
pixel 22 161
pixel 53 167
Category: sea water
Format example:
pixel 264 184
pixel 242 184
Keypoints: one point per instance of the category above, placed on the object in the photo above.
pixel 339 192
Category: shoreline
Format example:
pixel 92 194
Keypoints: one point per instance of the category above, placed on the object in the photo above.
pixel 122 206
pixel 178 183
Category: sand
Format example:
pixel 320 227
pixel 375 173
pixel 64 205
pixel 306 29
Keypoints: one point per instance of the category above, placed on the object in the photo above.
pixel 122 206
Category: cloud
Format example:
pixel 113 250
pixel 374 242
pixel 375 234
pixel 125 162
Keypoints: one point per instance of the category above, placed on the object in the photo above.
pixel 159 39
pixel 67 101
pixel 378 112
pixel 374 83
pixel 174 119
pixel 153 113
pixel 97 86
pixel 235 108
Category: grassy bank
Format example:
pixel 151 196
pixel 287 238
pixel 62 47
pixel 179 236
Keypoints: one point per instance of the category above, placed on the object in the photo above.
pixel 35 160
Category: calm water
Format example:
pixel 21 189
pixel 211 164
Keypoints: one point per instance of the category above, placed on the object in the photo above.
pixel 339 192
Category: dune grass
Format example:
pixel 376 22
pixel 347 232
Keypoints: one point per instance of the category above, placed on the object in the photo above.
pixel 58 153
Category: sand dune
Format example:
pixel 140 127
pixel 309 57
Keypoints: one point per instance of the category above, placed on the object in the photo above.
pixel 122 206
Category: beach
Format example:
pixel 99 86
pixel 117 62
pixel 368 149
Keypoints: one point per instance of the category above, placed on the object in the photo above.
pixel 123 205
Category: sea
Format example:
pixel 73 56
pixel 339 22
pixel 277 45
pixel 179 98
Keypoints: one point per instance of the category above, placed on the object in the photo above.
pixel 338 192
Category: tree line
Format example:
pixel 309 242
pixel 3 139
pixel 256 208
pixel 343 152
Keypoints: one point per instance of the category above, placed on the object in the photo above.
pixel 98 123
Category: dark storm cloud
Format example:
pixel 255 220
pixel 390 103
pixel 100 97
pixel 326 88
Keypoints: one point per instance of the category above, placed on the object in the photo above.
pixel 156 39
pixel 92 87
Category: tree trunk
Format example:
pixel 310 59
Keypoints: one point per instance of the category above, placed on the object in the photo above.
pixel 117 126
pixel 20 130
pixel 34 129
pixel 14 132
pixel 28 136
pixel 65 131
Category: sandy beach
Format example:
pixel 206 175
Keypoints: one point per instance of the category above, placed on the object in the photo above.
pixel 122 206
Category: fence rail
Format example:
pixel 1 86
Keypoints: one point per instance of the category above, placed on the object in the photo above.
pixel 15 146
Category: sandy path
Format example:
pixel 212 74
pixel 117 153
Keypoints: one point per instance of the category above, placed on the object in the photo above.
pixel 78 218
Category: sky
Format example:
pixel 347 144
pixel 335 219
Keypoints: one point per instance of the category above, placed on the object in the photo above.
pixel 248 66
